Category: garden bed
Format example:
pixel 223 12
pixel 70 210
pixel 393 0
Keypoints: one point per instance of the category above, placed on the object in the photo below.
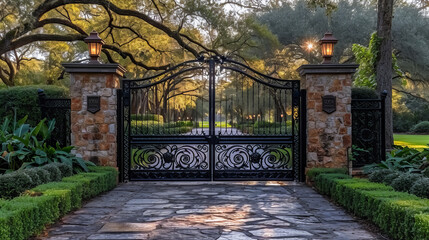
pixel 401 215
pixel 28 214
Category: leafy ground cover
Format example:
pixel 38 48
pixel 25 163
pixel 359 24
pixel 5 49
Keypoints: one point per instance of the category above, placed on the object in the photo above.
pixel 411 140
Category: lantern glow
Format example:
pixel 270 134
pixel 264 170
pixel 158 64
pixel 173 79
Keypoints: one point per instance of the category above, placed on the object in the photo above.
pixel 94 45
pixel 327 44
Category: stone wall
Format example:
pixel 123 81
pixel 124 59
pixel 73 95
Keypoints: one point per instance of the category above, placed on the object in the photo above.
pixel 328 134
pixel 94 134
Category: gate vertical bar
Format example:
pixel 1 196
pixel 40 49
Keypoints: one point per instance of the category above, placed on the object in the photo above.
pixel 212 119
pixel 296 128
pixel 303 135
pixel 126 129
pixel 119 135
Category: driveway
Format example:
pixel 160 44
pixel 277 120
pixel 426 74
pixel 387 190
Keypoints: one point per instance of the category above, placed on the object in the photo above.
pixel 209 210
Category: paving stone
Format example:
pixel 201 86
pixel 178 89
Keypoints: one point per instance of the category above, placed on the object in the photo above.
pixel 234 236
pixel 280 232
pixel 158 212
pixel 127 227
pixel 146 201
pixel 208 211
pixel 118 236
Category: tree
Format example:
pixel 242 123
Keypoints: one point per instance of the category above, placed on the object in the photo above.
pixel 384 62
pixel 139 34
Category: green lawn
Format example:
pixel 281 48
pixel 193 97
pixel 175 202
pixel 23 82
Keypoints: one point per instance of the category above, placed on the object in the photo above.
pixel 412 141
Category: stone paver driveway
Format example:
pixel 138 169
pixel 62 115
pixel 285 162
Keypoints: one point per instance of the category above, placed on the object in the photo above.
pixel 209 210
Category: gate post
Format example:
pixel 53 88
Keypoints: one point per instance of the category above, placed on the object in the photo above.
pixel 94 122
pixel 328 124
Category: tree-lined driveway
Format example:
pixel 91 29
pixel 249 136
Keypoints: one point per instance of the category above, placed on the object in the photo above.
pixel 209 210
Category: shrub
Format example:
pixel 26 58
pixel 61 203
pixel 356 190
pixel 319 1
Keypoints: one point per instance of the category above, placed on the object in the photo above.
pixel 54 172
pixel 44 176
pixel 426 172
pixel 404 182
pixel 401 215
pixel 388 179
pixel 421 226
pixel 65 169
pixel 421 127
pixel 24 216
pixel 379 175
pixel 32 173
pixel 421 188
pixel 25 100
pixel 148 117
pixel 364 93
pixel 312 173
pixel 13 184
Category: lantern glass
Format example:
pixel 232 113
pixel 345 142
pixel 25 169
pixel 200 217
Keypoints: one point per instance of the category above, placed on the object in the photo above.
pixel 94 49
pixel 327 49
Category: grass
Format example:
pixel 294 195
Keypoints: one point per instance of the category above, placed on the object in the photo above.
pixel 412 141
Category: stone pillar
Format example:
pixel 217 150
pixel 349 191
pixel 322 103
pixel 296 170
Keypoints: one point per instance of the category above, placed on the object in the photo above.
pixel 93 132
pixel 328 132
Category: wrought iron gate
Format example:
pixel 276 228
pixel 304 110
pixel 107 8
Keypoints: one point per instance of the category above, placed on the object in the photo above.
pixel 210 119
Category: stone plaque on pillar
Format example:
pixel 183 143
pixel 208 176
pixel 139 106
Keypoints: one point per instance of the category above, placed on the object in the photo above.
pixel 93 104
pixel 329 104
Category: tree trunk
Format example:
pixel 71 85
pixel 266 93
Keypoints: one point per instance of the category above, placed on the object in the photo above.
pixel 384 62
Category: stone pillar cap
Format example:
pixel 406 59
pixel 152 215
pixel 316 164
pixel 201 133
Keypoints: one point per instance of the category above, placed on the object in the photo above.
pixel 94 68
pixel 327 69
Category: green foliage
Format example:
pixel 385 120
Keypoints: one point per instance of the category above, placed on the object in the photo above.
pixel 420 188
pixel 421 127
pixel 155 127
pixel 25 100
pixel 366 57
pixel 14 183
pixel 388 179
pixel 379 175
pixel 25 216
pixel 148 117
pixel 401 215
pixel 54 172
pixel 23 146
pixel 65 169
pixel 314 172
pixel 402 159
pixel 421 227
pixel 364 93
pixel 405 181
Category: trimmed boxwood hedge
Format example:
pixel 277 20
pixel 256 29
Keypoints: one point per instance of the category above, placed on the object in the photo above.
pixel 14 183
pixel 27 215
pixel 401 215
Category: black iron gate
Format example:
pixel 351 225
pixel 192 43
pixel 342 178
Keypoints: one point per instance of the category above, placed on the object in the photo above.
pixel 210 119
pixel 368 130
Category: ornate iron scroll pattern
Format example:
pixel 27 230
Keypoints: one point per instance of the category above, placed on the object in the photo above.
pixel 253 157
pixel 368 131
pixel 170 157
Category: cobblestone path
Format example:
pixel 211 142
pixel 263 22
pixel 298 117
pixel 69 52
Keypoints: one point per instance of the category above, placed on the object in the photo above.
pixel 209 210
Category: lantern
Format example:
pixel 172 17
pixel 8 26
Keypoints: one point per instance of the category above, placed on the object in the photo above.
pixel 94 45
pixel 327 43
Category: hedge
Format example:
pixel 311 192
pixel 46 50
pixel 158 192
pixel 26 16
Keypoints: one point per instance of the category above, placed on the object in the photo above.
pixel 401 215
pixel 27 215
pixel 14 183
pixel 26 100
